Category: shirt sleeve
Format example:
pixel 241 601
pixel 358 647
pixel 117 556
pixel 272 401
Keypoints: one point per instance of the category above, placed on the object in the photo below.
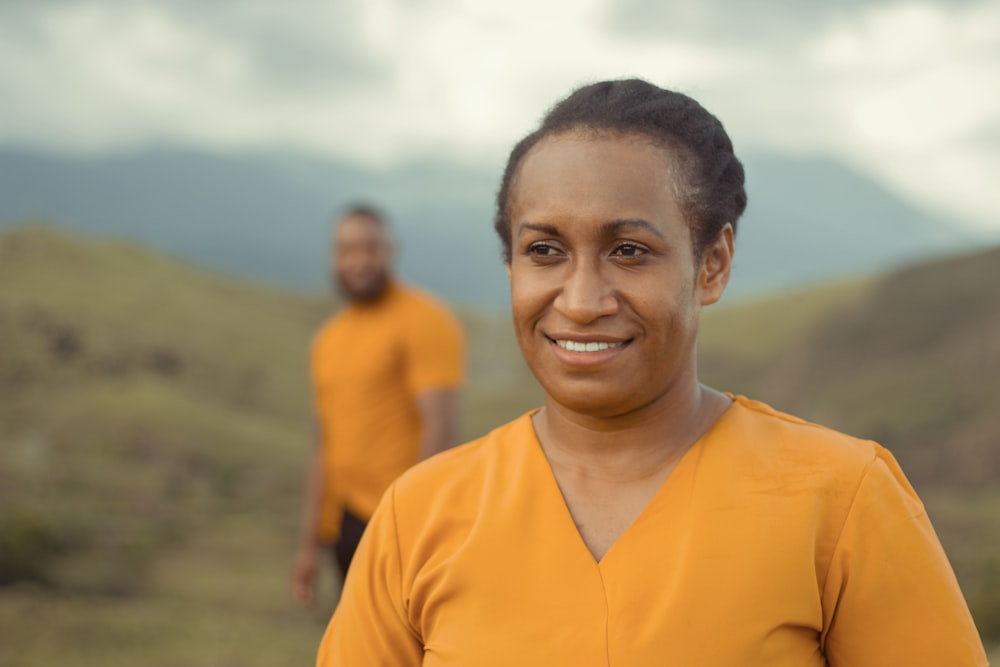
pixel 370 625
pixel 891 597
pixel 435 347
pixel 316 359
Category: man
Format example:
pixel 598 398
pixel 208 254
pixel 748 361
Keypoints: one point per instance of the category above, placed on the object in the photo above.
pixel 385 371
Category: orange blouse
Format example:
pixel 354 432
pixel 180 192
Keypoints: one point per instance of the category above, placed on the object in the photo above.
pixel 773 543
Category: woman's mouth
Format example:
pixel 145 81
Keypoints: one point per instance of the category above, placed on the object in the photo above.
pixel 580 346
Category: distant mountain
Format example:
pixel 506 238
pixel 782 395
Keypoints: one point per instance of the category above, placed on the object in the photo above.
pixel 267 216
pixel 813 219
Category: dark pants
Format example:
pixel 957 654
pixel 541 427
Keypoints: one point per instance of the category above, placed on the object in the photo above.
pixel 351 529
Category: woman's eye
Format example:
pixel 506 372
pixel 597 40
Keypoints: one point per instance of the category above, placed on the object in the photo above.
pixel 541 250
pixel 629 250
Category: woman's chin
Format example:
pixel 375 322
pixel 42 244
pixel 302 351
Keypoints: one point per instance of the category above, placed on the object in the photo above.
pixel 599 402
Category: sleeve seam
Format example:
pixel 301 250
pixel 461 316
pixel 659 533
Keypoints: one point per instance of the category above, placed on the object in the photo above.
pixel 840 536
pixel 404 600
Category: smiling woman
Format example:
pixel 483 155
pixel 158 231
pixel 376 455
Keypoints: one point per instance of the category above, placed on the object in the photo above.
pixel 640 517
pixel 601 252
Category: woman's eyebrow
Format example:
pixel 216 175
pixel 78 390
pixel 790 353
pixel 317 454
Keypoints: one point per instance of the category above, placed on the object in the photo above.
pixel 610 228
pixel 616 226
pixel 537 227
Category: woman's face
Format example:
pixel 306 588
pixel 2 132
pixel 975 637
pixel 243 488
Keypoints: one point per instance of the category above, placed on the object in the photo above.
pixel 605 288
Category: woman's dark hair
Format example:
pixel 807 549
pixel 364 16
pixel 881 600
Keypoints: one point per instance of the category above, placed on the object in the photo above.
pixel 711 190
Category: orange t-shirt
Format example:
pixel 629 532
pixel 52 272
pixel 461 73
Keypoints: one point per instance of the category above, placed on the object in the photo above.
pixel 368 364
pixel 773 543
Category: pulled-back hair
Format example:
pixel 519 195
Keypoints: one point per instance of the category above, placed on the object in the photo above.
pixel 711 177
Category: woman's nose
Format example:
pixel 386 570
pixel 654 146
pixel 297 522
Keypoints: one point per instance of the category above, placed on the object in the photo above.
pixel 586 294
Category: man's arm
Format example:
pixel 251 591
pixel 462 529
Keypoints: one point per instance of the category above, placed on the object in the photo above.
pixel 438 409
pixel 304 570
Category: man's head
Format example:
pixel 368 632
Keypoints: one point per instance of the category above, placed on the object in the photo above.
pixel 709 177
pixel 362 254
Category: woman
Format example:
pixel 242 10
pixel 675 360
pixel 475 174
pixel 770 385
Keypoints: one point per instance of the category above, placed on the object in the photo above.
pixel 639 517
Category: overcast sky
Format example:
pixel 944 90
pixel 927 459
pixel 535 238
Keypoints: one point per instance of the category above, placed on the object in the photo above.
pixel 907 91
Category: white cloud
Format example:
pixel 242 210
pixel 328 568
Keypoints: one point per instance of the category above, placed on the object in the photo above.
pixel 897 89
pixel 908 84
pixel 110 79
pixel 465 80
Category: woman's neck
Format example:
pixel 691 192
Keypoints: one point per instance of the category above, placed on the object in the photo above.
pixel 630 447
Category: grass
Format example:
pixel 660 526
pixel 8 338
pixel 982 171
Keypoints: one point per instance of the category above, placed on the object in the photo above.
pixel 154 426
pixel 155 420
pixel 220 600
pixel 756 330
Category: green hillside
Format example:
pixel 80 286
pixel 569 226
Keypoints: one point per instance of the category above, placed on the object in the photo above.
pixel 154 422
pixel 153 426
pixel 910 359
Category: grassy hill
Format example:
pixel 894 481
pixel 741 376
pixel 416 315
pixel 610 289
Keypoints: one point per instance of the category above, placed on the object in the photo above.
pixel 154 421
pixel 911 359
pixel 152 432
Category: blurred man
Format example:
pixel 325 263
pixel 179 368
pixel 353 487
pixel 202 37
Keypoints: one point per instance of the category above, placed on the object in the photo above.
pixel 385 371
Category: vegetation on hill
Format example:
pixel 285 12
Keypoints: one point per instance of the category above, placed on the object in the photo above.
pixel 155 419
pixel 154 424
pixel 911 360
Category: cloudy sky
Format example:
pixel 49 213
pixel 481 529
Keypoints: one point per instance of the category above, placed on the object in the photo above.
pixel 909 92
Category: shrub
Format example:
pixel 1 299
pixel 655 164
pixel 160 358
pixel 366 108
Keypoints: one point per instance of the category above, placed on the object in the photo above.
pixel 29 543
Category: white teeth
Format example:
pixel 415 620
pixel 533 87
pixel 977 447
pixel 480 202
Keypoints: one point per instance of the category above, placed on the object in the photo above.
pixel 574 346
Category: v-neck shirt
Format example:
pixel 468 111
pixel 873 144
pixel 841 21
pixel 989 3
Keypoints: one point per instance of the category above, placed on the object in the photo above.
pixel 772 542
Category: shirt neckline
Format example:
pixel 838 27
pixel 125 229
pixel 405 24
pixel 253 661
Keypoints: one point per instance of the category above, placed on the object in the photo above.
pixel 674 489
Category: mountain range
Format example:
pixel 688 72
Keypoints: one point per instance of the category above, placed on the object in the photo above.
pixel 267 216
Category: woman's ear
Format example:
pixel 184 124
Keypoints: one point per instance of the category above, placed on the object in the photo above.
pixel 716 266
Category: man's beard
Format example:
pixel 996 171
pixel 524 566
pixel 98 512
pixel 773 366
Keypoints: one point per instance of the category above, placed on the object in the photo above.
pixel 366 294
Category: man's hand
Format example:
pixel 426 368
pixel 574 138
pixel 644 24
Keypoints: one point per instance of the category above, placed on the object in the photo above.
pixel 304 574
pixel 304 569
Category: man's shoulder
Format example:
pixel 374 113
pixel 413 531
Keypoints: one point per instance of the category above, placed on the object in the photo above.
pixel 419 300
pixel 327 327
